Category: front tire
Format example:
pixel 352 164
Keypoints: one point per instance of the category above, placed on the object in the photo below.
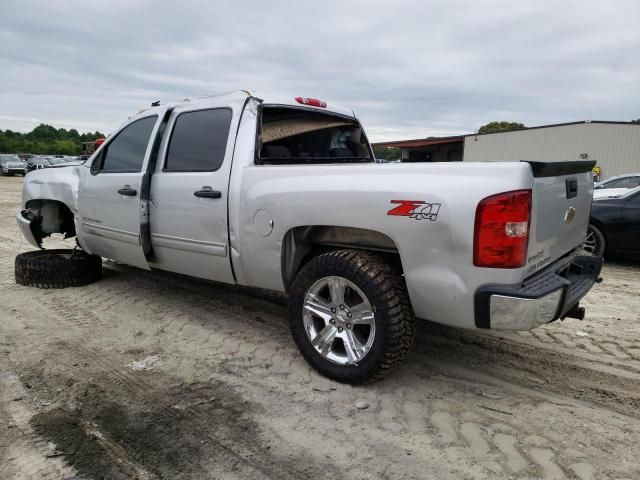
pixel 595 242
pixel 350 316
pixel 59 268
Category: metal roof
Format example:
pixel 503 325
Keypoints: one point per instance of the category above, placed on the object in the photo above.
pixel 421 142
pixel 425 142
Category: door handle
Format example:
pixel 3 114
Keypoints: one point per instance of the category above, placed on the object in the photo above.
pixel 207 192
pixel 128 191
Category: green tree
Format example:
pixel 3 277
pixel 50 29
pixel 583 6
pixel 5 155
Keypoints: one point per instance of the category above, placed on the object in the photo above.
pixel 495 127
pixel 636 121
pixel 45 139
pixel 387 153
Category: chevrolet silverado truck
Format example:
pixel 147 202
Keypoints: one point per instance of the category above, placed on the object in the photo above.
pixel 285 195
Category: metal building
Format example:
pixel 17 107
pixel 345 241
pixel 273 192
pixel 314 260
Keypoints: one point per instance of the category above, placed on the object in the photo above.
pixel 615 146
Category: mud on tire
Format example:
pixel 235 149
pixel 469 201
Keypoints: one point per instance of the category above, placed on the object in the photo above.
pixel 57 268
pixel 385 290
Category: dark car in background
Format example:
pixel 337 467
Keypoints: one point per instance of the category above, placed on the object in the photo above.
pixel 36 163
pixel 614 228
pixel 12 165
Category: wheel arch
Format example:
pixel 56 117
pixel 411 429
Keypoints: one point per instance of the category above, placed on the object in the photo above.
pixel 303 243
pixel 49 216
pixel 602 227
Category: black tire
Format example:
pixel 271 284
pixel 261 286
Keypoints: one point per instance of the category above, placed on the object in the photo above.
pixel 57 268
pixel 595 241
pixel 385 291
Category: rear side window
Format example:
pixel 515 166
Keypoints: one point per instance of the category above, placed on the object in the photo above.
pixel 198 141
pixel 125 153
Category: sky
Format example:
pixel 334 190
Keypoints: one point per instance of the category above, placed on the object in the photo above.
pixel 409 69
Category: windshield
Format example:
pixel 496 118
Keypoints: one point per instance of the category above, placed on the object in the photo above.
pixel 9 158
pixel 626 182
pixel 291 135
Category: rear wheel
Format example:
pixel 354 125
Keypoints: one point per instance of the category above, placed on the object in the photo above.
pixel 350 316
pixel 594 241
pixel 57 268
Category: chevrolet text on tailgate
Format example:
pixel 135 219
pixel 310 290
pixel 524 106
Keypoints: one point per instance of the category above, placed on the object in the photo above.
pixel 285 195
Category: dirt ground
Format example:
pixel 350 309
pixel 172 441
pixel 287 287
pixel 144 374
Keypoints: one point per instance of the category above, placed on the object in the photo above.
pixel 151 375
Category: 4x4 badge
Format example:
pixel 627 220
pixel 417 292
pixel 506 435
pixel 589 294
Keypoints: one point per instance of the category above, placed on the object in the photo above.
pixel 416 209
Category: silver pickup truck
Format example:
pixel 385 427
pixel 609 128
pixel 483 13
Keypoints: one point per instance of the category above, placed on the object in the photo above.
pixel 285 195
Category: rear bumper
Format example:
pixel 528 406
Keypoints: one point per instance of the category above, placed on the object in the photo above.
pixel 542 298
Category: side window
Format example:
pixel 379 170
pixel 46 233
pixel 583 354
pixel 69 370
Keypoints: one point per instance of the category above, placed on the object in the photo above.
pixel 125 153
pixel 198 141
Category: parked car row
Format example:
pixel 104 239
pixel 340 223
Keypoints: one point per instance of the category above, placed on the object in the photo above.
pixel 12 165
pixel 22 164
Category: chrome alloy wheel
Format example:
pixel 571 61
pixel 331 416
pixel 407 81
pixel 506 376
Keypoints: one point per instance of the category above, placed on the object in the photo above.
pixel 339 320
pixel 590 243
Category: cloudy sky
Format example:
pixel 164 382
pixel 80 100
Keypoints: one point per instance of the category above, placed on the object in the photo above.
pixel 408 68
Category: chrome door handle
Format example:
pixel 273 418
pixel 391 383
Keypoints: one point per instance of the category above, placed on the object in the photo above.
pixel 128 191
pixel 207 192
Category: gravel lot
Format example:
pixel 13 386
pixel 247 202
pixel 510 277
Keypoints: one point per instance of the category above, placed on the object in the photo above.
pixel 152 375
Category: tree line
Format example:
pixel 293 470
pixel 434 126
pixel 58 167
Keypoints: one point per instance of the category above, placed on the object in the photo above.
pixel 46 139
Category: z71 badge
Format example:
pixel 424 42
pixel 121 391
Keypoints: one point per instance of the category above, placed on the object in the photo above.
pixel 416 209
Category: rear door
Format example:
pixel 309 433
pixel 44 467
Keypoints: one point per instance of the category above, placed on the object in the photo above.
pixel 109 203
pixel 562 196
pixel 189 229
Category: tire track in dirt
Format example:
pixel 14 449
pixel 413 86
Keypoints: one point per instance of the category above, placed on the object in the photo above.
pixel 72 314
pixel 600 382
pixel 29 456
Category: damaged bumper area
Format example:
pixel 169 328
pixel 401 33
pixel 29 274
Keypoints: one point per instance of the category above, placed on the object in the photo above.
pixel 25 220
pixel 546 296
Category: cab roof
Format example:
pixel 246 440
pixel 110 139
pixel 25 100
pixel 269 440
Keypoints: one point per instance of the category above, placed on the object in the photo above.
pixel 242 95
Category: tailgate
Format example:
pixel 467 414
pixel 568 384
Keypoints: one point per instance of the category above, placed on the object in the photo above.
pixel 562 196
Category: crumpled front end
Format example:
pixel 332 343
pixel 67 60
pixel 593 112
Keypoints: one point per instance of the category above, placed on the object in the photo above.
pixel 49 201
pixel 25 219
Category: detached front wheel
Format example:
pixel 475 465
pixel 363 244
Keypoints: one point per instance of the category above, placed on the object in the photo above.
pixel 59 268
pixel 350 316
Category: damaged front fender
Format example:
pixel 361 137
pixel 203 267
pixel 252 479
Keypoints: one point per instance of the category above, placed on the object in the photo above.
pixel 59 184
pixel 49 199
pixel 24 222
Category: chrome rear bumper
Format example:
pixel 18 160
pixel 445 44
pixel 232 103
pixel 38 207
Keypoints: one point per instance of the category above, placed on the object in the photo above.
pixel 546 296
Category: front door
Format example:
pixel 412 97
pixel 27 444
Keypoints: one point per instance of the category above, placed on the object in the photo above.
pixel 109 196
pixel 188 209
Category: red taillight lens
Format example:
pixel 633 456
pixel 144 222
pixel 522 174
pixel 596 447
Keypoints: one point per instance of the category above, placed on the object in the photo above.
pixel 314 102
pixel 501 234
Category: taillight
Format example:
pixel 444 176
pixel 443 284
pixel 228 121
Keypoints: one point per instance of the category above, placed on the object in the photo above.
pixel 501 234
pixel 314 102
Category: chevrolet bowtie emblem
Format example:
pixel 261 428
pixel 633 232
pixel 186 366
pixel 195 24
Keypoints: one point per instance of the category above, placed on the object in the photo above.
pixel 569 214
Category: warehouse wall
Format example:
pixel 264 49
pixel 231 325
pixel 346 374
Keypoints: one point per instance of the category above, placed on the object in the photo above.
pixel 616 147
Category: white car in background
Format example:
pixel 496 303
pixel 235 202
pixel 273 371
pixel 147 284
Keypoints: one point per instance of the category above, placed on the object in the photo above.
pixel 616 186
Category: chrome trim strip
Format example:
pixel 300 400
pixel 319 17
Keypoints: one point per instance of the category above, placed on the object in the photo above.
pixel 111 233
pixel 189 245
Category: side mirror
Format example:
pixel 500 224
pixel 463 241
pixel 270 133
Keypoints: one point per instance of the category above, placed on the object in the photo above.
pixel 95 164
